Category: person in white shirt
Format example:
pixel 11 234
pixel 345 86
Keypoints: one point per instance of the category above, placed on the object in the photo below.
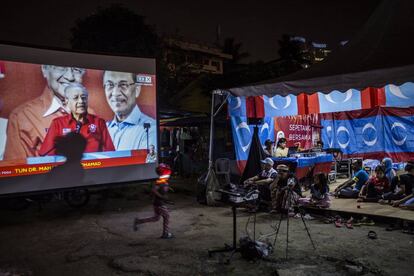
pixel 130 128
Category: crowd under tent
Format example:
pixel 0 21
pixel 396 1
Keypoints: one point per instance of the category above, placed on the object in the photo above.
pixel 360 96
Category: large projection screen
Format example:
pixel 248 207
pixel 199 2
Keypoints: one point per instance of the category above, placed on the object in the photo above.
pixel 47 94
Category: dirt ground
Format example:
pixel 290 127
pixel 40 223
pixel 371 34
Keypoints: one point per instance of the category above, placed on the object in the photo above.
pixel 98 240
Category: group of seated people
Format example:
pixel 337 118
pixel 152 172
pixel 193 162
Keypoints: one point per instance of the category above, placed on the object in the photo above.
pixel 281 149
pixel 384 186
pixel 282 188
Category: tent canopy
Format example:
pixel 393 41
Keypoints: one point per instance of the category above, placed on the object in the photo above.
pixel 380 54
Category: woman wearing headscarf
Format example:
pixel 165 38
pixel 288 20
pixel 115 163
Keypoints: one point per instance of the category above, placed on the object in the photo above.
pixel 389 171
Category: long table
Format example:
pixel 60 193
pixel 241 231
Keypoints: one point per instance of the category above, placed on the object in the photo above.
pixel 304 165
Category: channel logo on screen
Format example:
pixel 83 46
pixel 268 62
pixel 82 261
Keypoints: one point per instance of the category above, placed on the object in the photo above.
pixel 144 80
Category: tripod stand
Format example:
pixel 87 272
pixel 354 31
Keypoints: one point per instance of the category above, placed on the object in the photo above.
pixel 289 198
pixel 233 247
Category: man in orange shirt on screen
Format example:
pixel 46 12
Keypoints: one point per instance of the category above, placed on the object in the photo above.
pixel 28 123
pixel 79 121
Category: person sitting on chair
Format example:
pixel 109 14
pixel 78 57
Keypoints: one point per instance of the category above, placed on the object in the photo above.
pixel 346 190
pixel 284 190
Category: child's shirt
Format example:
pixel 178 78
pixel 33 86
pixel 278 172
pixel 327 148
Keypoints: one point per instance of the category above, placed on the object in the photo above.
pixel 162 189
pixel 319 194
pixel 381 185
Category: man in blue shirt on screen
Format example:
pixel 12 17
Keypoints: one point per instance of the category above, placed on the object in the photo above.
pixel 128 128
pixel 347 190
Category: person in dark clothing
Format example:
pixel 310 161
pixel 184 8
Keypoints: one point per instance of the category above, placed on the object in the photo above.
pixel 401 187
pixel 318 146
pixel 282 198
pixel 159 192
pixel 319 193
pixel 72 146
pixel 405 183
pixel 269 148
pixel 165 138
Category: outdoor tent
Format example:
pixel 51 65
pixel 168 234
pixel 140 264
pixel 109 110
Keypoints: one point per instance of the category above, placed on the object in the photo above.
pixel 380 54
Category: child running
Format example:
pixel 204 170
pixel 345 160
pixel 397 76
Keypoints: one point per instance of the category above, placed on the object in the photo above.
pixel 159 192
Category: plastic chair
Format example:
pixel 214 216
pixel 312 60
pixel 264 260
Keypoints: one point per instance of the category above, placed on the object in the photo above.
pixel 222 168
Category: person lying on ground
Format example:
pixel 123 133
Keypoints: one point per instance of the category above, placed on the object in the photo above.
pixel 319 193
pixel 352 187
pixel 401 186
pixel 285 190
pixel 376 186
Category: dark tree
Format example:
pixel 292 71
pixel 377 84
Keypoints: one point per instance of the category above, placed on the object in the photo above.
pixel 295 53
pixel 115 30
pixel 119 30
pixel 233 48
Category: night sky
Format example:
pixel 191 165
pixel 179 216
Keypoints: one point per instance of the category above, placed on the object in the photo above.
pixel 257 24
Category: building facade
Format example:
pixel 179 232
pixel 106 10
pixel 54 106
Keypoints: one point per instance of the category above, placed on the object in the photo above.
pixel 197 57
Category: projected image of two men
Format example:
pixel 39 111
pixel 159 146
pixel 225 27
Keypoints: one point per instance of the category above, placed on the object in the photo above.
pixel 114 111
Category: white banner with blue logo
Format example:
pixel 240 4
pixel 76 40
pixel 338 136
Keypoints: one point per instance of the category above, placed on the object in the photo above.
pixel 401 96
pixel 338 101
pixel 236 106
pixel 280 106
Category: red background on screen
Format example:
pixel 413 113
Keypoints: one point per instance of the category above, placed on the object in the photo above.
pixel 24 81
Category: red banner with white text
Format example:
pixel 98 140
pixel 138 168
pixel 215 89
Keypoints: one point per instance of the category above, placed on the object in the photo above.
pixel 301 128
